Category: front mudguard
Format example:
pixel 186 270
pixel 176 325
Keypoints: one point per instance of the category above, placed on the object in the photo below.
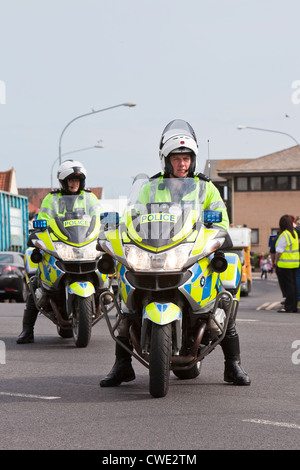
pixel 161 314
pixel 82 289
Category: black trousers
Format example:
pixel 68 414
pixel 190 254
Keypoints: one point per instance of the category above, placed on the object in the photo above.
pixel 287 277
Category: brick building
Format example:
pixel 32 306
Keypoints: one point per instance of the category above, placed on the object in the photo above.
pixel 258 191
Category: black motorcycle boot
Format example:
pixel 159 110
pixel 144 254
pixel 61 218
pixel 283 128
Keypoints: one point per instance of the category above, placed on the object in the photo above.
pixel 233 373
pixel 29 319
pixel 122 370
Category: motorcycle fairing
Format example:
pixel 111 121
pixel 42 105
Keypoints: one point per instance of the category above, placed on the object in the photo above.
pixel 124 285
pixel 155 223
pixel 82 289
pixel 78 232
pixel 48 271
pixel 204 285
pixel 30 266
pixel 231 278
pixel 162 314
pixel 204 235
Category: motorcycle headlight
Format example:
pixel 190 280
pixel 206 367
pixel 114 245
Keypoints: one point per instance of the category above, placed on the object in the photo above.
pixel 71 253
pixel 171 260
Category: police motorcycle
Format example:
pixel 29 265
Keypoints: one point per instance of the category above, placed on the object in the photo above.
pixel 177 285
pixel 62 273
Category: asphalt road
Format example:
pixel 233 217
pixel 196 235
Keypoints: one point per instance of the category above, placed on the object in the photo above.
pixel 50 396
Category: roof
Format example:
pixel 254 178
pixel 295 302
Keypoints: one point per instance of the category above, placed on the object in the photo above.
pixel 284 161
pixel 213 167
pixel 7 181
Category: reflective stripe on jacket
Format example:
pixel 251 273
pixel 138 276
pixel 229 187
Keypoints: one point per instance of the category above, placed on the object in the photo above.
pixel 289 258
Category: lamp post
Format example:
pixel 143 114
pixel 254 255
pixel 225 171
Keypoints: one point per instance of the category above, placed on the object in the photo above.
pixel 240 127
pixel 130 105
pixel 97 146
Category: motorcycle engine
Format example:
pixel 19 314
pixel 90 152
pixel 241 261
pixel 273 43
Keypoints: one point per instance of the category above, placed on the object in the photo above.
pixel 41 298
pixel 220 317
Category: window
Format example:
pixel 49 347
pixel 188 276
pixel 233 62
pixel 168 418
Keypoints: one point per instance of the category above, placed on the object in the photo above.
pixel 241 183
pixel 269 183
pixel 254 236
pixel 255 183
pixel 283 183
pixel 295 182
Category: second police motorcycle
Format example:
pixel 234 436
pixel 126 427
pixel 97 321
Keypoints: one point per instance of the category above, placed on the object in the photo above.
pixel 62 269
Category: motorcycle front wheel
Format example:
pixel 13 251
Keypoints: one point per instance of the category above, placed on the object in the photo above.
pixel 82 320
pixel 160 356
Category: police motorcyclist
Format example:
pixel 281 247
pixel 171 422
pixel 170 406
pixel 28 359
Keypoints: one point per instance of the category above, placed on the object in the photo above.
pixel 178 150
pixel 71 176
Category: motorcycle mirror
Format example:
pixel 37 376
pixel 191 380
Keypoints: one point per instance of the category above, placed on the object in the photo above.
pixel 36 256
pixel 219 262
pixel 109 220
pixel 211 217
pixel 106 264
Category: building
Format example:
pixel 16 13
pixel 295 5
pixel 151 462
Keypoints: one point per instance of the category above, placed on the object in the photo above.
pixel 8 182
pixel 258 191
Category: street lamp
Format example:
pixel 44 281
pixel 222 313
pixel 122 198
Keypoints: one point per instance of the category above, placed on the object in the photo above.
pixel 130 105
pixel 240 127
pixel 97 146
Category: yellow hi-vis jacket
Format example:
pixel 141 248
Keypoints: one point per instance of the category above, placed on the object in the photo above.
pixel 207 195
pixel 289 258
pixel 85 199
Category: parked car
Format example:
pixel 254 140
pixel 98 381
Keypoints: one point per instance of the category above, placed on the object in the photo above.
pixel 12 276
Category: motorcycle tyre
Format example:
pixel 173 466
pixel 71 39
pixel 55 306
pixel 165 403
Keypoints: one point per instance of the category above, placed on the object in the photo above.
pixel 190 373
pixel 160 357
pixel 82 320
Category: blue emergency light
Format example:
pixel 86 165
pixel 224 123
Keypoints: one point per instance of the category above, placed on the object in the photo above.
pixel 109 218
pixel 40 223
pixel 212 217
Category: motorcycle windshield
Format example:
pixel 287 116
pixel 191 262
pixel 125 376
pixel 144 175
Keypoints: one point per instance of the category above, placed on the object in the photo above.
pixel 162 212
pixel 77 220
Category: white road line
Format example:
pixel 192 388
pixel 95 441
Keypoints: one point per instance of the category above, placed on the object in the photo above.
pixel 273 305
pixel 246 319
pixel 263 305
pixel 273 423
pixel 24 395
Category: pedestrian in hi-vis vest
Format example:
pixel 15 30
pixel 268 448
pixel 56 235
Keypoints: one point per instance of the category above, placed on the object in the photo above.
pixel 287 261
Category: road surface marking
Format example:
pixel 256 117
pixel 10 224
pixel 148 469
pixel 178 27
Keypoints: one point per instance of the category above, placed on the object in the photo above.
pixel 245 319
pixel 273 423
pixel 263 305
pixel 272 305
pixel 24 395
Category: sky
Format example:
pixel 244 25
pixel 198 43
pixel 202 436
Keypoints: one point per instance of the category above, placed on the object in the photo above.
pixel 216 64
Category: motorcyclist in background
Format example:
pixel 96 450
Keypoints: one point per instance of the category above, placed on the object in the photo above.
pixel 71 176
pixel 177 152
